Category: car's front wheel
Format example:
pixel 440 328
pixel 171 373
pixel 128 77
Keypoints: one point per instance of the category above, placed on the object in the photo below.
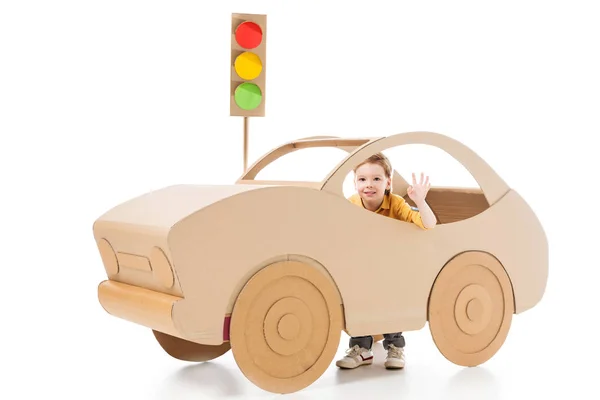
pixel 470 308
pixel 285 326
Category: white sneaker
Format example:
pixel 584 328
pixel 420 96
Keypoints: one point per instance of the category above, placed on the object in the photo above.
pixel 395 358
pixel 355 357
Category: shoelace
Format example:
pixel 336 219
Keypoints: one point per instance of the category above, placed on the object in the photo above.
pixel 394 351
pixel 354 351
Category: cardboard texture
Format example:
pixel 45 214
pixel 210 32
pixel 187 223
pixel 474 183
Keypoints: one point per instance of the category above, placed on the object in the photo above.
pixel 213 266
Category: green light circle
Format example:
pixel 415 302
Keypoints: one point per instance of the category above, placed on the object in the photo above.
pixel 247 96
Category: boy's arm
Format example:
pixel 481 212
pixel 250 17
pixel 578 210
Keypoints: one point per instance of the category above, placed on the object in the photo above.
pixel 427 215
pixel 408 214
pixel 418 192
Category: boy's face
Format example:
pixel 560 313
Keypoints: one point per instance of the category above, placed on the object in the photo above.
pixel 370 183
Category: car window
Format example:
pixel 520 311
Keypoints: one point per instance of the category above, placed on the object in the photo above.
pixel 311 164
pixel 455 195
pixel 442 168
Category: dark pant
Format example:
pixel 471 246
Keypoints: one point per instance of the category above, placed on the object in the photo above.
pixel 389 338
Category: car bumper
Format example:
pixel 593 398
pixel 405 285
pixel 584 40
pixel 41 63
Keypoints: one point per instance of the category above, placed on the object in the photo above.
pixel 142 306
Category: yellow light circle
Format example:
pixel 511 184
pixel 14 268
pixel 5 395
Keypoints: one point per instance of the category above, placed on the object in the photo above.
pixel 248 65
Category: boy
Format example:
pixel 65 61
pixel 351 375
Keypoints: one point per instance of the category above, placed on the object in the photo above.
pixel 373 183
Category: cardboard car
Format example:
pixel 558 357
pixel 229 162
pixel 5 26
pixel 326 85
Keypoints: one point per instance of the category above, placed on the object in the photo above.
pixel 274 270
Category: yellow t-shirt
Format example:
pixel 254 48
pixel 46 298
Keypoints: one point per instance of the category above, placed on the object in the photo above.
pixel 393 206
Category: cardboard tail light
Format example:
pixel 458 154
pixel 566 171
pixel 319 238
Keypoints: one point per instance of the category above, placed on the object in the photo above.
pixel 270 270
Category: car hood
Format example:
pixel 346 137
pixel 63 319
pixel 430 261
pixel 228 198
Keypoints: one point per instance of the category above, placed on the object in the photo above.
pixel 163 208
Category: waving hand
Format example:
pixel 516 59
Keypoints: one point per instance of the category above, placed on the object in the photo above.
pixel 418 191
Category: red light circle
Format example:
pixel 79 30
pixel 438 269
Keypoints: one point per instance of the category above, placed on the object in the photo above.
pixel 248 35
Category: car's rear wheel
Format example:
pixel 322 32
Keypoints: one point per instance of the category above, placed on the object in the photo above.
pixel 470 308
pixel 189 351
pixel 285 326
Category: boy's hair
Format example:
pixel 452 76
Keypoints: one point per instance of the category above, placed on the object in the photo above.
pixel 379 159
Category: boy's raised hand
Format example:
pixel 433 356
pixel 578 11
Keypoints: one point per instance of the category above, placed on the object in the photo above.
pixel 418 191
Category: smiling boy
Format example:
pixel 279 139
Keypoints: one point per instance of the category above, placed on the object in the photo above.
pixel 373 184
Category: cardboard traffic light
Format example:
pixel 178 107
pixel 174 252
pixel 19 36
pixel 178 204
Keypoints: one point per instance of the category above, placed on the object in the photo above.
pixel 248 64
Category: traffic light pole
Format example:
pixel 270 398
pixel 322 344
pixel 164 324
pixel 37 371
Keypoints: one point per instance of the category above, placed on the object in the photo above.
pixel 245 143
pixel 248 63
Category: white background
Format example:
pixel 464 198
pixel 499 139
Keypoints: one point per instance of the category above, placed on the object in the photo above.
pixel 104 100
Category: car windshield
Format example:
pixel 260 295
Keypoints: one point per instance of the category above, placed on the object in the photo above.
pixel 305 165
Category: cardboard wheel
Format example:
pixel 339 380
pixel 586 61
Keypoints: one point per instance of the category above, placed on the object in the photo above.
pixel 189 351
pixel 286 326
pixel 470 308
